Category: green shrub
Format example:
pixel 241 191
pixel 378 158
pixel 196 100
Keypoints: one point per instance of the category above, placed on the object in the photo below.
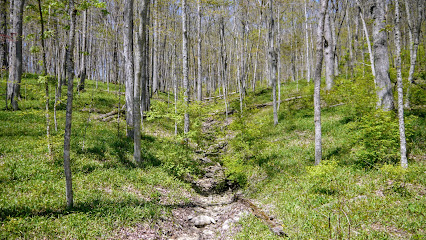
pixel 323 176
pixel 378 137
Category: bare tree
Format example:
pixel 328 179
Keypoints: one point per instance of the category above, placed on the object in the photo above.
pixel 403 147
pixel 68 118
pixel 200 70
pixel 272 60
pixel 381 58
pixel 317 81
pixel 141 63
pixel 3 31
pixel 15 67
pixel 83 53
pixel 129 62
pixel 329 53
pixel 414 29
pixel 185 65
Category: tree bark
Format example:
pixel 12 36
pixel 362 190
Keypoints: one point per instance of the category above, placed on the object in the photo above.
pixel 46 82
pixel 155 50
pixel 129 62
pixel 272 60
pixel 414 29
pixel 185 66
pixel 381 58
pixel 200 70
pixel 329 53
pixel 83 54
pixel 367 37
pixel 403 143
pixel 317 81
pixel 68 119
pixel 308 69
pixel 15 68
pixel 140 77
pixel 3 28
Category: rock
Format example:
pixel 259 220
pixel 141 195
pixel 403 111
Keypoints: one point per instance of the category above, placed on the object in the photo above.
pixel 213 180
pixel 225 225
pixel 186 237
pixel 202 220
pixel 208 232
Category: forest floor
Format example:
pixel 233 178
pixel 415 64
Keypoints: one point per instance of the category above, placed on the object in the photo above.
pixel 239 177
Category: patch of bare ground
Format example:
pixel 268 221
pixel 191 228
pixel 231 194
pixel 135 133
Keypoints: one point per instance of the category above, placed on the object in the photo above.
pixel 395 232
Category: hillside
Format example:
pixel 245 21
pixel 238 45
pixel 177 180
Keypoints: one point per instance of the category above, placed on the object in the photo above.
pixel 231 170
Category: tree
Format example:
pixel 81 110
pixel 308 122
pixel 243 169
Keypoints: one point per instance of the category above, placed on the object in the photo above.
pixel 381 58
pixel 329 53
pixel 46 83
pixel 367 37
pixel 200 70
pixel 272 61
pixel 141 76
pixel 3 31
pixel 317 82
pixel 402 139
pixel 128 58
pixel 83 52
pixel 185 65
pixel 68 120
pixel 414 29
pixel 15 68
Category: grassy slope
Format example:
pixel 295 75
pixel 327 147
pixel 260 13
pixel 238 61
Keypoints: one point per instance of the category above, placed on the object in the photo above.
pixel 111 192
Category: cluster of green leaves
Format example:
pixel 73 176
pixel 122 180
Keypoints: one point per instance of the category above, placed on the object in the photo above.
pixel 378 138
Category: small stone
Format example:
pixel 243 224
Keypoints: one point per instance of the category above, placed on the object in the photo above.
pixel 202 220
pixel 186 237
pixel 225 225
pixel 208 232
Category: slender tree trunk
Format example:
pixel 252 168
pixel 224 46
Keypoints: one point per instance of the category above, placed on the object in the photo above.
pixel 155 50
pixel 15 68
pixel 308 68
pixel 46 82
pixel 185 66
pixel 381 58
pixel 414 29
pixel 329 53
pixel 403 147
pixel 129 62
pixel 367 38
pixel 200 70
pixel 3 30
pixel 272 60
pixel 68 119
pixel 140 76
pixel 83 54
pixel 317 80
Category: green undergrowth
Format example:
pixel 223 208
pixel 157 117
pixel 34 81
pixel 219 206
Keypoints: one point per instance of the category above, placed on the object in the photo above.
pixel 358 191
pixel 111 191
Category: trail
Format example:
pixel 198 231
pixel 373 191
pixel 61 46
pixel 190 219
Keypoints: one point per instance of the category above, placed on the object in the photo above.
pixel 214 209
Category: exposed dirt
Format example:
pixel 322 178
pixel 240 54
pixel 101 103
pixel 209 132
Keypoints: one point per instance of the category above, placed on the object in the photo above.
pixel 213 211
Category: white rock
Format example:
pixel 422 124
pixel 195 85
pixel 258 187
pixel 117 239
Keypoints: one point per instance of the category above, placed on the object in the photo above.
pixel 225 225
pixel 208 232
pixel 202 220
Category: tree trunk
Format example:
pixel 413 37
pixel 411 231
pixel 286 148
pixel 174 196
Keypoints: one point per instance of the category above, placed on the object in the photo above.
pixel 317 80
pixel 46 82
pixel 155 50
pixel 83 54
pixel 272 60
pixel 140 77
pixel 403 143
pixel 15 68
pixel 381 58
pixel 200 70
pixel 414 33
pixel 128 56
pixel 185 66
pixel 367 38
pixel 329 53
pixel 308 69
pixel 68 119
pixel 3 30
